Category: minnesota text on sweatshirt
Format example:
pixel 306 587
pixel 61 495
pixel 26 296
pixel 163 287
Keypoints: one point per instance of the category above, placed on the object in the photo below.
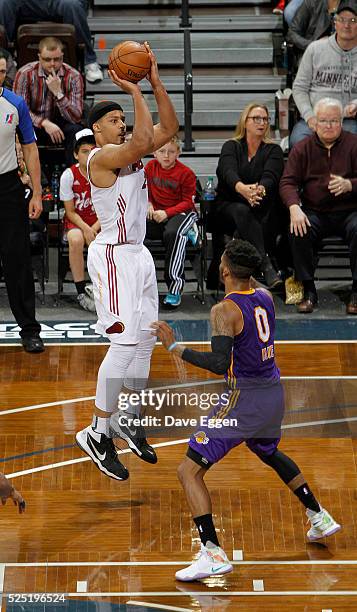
pixel 325 71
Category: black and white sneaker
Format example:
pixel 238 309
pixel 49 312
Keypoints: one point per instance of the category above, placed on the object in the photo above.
pixel 122 426
pixel 102 451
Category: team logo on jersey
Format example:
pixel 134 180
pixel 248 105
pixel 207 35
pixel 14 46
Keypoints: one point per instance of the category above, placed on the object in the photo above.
pixel 117 328
pixel 201 437
pixel 9 118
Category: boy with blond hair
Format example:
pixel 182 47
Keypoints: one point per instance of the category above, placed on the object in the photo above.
pixel 171 213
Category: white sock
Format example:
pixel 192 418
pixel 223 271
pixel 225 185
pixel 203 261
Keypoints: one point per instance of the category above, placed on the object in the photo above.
pixel 101 424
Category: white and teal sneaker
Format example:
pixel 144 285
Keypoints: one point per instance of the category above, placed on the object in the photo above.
pixel 212 561
pixel 172 299
pixel 322 525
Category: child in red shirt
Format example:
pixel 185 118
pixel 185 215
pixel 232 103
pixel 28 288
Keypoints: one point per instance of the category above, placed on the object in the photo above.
pixel 171 213
pixel 80 221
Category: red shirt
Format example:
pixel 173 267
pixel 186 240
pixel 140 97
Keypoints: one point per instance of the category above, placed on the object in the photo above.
pixel 171 190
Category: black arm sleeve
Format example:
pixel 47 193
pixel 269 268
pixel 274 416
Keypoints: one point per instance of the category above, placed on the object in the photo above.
pixel 218 361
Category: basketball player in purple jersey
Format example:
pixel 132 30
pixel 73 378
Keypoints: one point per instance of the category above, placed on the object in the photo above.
pixel 243 327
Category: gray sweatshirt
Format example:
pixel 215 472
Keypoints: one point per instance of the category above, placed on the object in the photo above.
pixel 325 71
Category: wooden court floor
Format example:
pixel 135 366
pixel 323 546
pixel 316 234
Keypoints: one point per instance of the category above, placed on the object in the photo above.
pixel 123 542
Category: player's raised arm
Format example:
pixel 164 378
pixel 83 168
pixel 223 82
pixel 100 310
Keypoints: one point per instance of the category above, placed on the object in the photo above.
pixel 109 131
pixel 168 124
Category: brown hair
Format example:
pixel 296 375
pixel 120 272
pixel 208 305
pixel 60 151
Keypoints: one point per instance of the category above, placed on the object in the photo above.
pixel 51 43
pixel 240 131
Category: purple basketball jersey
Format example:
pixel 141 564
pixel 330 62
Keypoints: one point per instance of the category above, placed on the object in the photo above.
pixel 253 361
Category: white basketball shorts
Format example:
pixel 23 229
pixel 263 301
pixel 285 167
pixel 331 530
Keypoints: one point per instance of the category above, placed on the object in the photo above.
pixel 125 290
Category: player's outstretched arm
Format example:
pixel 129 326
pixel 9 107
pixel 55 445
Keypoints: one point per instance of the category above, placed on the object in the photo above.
pixel 168 124
pixel 8 491
pixel 225 325
pixel 141 143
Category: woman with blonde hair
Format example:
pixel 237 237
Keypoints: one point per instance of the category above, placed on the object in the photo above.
pixel 249 170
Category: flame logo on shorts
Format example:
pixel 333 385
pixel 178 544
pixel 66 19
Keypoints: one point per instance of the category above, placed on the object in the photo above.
pixel 117 328
pixel 201 437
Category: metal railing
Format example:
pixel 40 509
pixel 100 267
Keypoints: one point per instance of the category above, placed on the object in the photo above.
pixel 185 14
pixel 188 81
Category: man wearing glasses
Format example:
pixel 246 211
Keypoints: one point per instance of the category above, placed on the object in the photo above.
pixel 53 92
pixel 329 68
pixel 319 186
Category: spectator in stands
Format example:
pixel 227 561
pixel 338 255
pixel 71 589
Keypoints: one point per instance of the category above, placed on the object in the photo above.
pixel 249 170
pixel 54 93
pixel 291 9
pixel 171 213
pixel 10 68
pixel 313 20
pixel 68 11
pixel 288 8
pixel 80 222
pixel 329 68
pixel 319 186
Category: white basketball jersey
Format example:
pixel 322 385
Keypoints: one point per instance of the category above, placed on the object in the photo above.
pixel 121 209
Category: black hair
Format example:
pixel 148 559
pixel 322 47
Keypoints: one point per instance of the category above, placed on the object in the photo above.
pixel 100 109
pixel 242 259
pixel 84 140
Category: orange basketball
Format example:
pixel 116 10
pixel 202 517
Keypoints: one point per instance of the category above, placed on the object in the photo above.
pixel 130 61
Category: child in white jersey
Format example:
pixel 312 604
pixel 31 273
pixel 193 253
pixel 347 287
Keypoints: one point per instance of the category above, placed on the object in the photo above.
pixel 80 221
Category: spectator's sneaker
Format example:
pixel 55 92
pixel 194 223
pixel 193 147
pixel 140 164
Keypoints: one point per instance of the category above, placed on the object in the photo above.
pixel 192 235
pixel 102 451
pixel 279 9
pixel 93 73
pixel 173 300
pixel 89 291
pixel 86 302
pixel 212 561
pixel 133 434
pixel 322 524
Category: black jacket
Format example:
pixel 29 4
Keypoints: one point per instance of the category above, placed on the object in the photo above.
pixel 311 21
pixel 265 168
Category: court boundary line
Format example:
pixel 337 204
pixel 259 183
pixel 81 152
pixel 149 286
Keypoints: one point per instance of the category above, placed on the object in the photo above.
pixel 2 579
pixel 174 563
pixel 190 342
pixel 207 594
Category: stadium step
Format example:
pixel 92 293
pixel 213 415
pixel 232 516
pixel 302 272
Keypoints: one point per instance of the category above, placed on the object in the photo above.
pixel 209 110
pixel 177 3
pixel 201 83
pixel 207 48
pixel 168 23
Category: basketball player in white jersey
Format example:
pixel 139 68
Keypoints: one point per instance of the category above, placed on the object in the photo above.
pixel 121 268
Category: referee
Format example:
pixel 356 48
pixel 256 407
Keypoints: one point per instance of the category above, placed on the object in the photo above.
pixel 14 215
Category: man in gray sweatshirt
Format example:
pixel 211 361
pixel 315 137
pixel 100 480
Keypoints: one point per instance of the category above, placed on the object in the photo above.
pixel 329 68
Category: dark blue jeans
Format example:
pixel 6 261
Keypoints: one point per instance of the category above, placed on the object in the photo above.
pixel 70 11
